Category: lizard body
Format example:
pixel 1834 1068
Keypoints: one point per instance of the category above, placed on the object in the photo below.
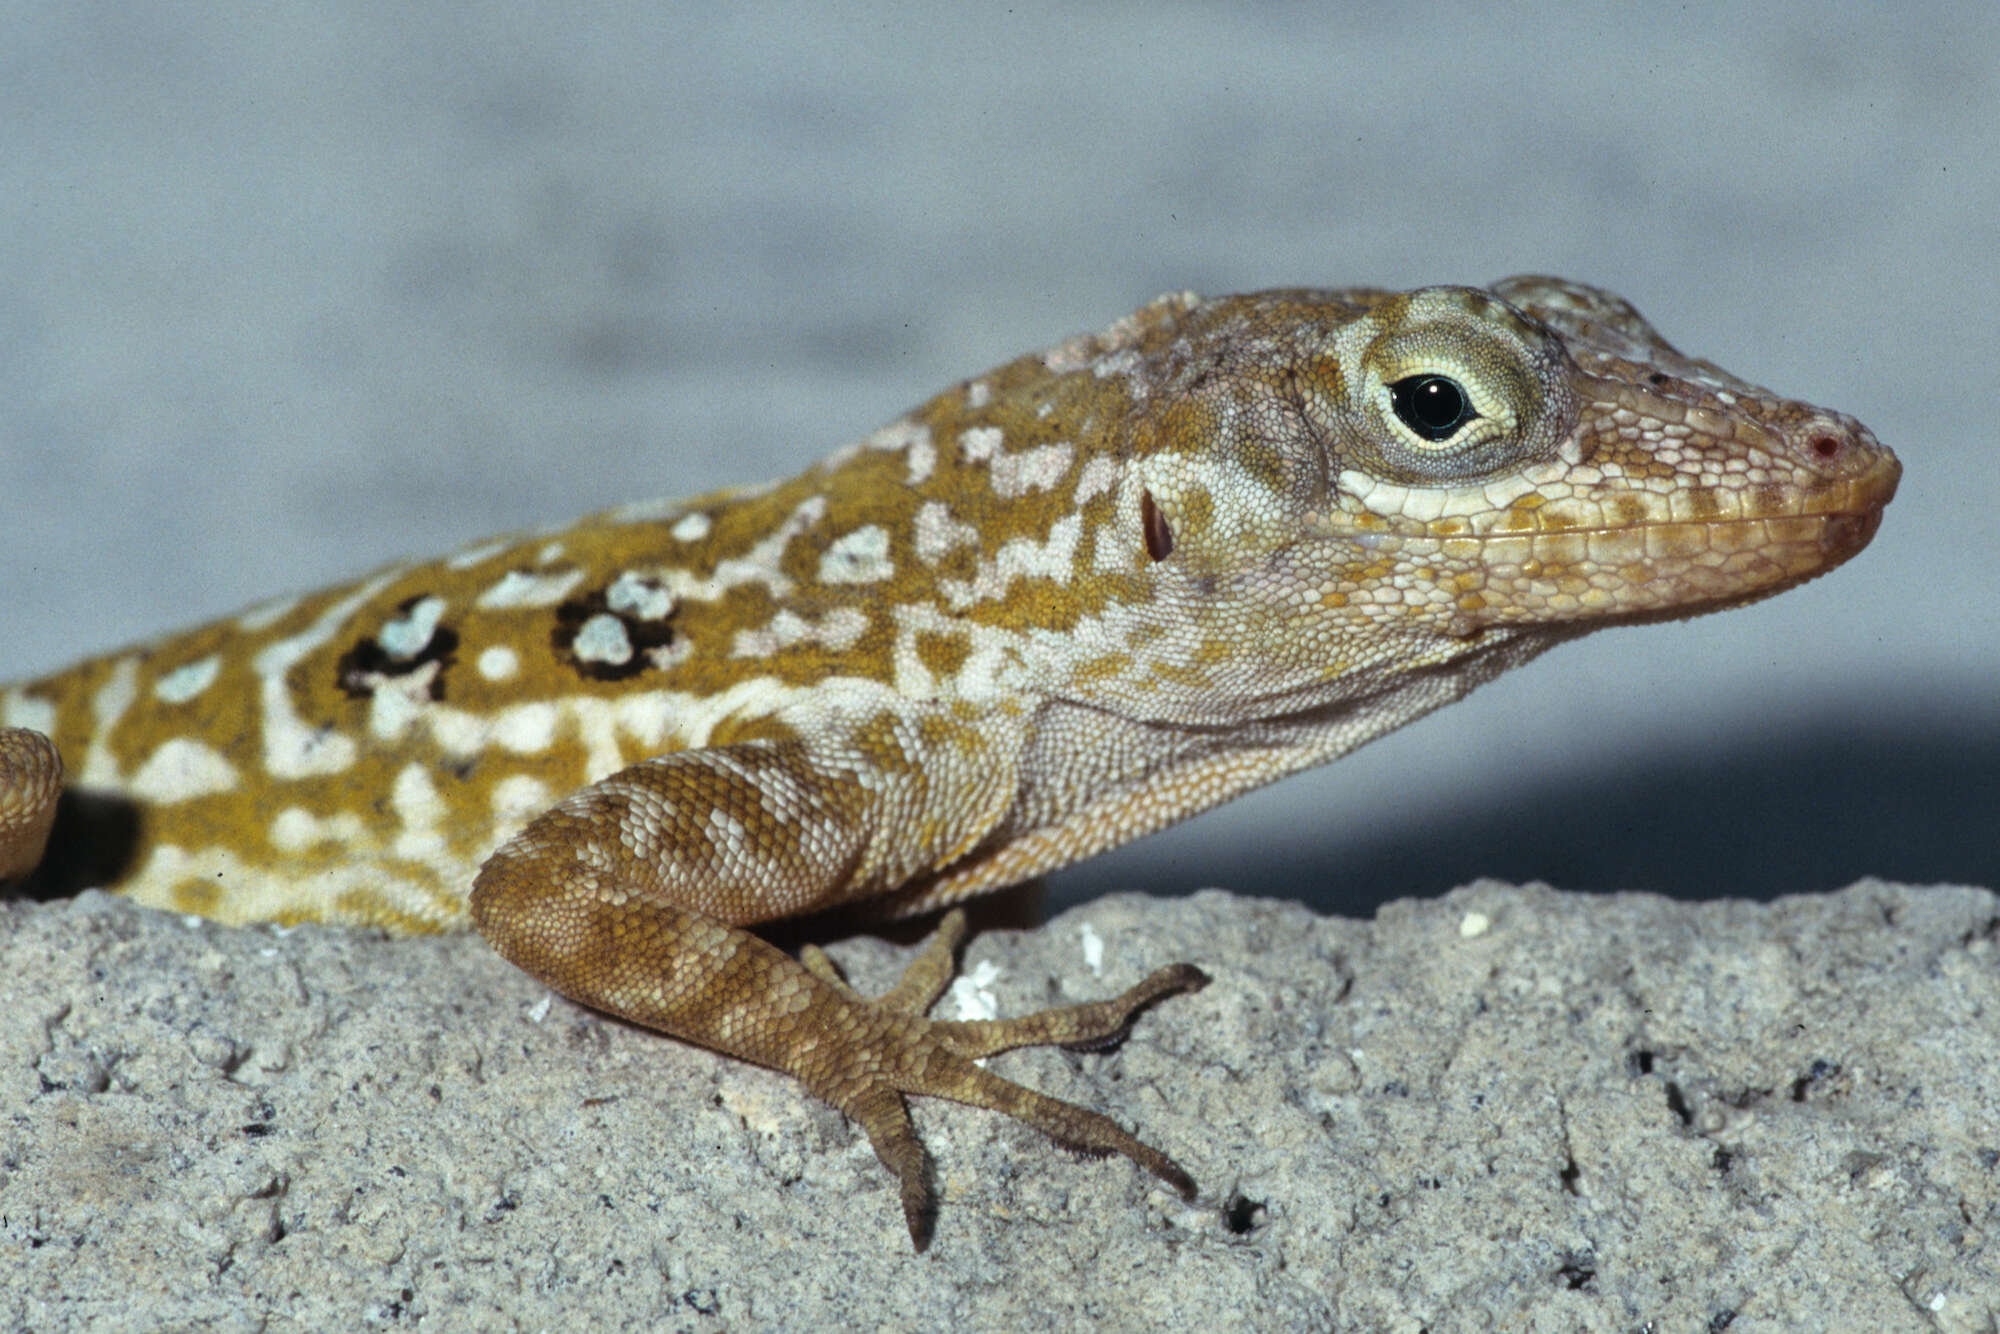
pixel 1091 592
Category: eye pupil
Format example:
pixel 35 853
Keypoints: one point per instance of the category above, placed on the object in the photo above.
pixel 1434 406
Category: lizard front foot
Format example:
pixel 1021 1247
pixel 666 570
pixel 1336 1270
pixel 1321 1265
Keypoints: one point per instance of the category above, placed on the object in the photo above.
pixel 891 1050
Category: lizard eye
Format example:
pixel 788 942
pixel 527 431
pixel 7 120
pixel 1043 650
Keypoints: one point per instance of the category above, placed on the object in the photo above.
pixel 1434 406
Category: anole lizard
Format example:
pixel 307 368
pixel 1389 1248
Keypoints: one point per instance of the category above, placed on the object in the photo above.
pixel 1066 602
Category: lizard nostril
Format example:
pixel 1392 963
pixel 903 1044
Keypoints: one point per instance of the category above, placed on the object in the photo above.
pixel 1826 447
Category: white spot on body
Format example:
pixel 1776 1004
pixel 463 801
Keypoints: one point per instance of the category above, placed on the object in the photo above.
pixel 603 730
pixel 861 557
pixel 183 683
pixel 357 890
pixel 1037 469
pixel 646 511
pixel 398 701
pixel 458 733
pixel 520 797
pixel 475 555
pixel 978 394
pixel 912 678
pixel 182 769
pixel 602 638
pixel 690 528
pixel 549 554
pixel 266 615
pixel 906 434
pixel 414 798
pixel 1474 924
pixel 107 706
pixel 291 748
pixel 1098 476
pixel 898 434
pixel 520 588
pixel 1125 361
pixel 1072 354
pixel 295 829
pixel 669 655
pixel 499 663
pixel 22 710
pixel 410 634
pixel 991 671
pixel 923 461
pixel 1022 558
pixel 979 443
pixel 760 563
pixel 644 716
pixel 115 696
pixel 937 533
pixel 637 595
pixel 426 835
pixel 598 723
pixel 838 631
pixel 526 729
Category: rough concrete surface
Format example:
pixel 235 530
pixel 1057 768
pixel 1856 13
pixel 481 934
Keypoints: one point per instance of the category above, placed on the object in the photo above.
pixel 1505 1108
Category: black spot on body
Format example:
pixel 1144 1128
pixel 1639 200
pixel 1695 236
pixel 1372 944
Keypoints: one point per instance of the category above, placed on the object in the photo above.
pixel 644 634
pixel 361 669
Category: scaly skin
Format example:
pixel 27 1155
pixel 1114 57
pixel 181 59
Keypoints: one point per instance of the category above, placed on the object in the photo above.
pixel 1089 593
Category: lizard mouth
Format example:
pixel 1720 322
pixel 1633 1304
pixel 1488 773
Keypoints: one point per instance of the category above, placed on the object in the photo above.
pixel 1843 535
pixel 1842 515
pixel 1649 557
pixel 1675 570
pixel 1825 526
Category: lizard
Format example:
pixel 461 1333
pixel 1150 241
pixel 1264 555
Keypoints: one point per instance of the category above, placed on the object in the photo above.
pixel 1066 602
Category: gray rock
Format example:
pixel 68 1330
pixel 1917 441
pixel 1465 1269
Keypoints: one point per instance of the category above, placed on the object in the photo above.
pixel 1509 1107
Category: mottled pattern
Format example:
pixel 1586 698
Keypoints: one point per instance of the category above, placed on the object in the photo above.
pixel 1086 594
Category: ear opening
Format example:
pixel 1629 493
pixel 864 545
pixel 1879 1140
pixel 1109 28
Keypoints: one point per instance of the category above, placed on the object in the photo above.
pixel 1159 536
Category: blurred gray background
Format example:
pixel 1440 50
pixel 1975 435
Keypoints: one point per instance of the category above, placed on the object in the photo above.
pixel 285 293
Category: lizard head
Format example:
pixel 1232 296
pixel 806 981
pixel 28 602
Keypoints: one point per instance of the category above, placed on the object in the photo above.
pixel 1530 459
